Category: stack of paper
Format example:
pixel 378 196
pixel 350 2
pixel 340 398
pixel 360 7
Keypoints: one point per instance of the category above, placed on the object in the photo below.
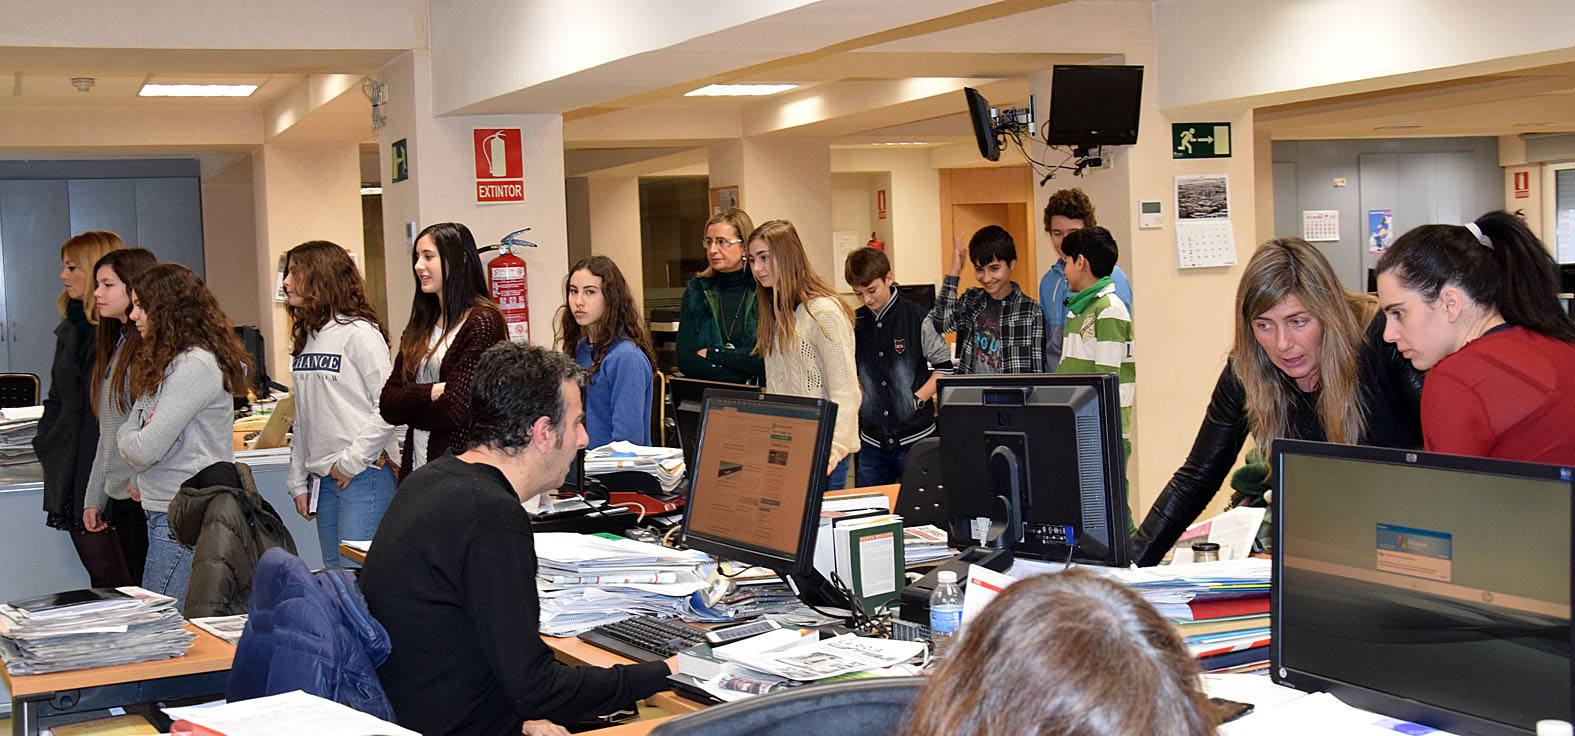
pixel 18 425
pixel 90 628
pixel 666 464
pixel 924 544
pixel 287 714
pixel 1220 608
pixel 587 580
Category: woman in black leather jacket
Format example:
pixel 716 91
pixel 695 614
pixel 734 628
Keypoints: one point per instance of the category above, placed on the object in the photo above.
pixel 1302 367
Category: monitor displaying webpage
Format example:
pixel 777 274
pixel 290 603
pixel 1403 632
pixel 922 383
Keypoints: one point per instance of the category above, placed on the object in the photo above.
pixel 753 473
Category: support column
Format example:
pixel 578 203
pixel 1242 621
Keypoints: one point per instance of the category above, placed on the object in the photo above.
pixel 302 192
pixel 441 188
pixel 615 228
pixel 783 179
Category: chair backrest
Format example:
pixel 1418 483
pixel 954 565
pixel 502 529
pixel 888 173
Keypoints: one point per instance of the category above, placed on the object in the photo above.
pixel 659 410
pixel 874 707
pixel 920 499
pixel 18 389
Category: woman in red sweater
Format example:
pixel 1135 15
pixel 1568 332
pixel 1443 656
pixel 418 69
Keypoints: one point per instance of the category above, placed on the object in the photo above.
pixel 1476 306
pixel 452 320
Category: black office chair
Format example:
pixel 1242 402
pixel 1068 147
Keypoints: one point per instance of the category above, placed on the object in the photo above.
pixel 18 389
pixel 919 498
pixel 875 707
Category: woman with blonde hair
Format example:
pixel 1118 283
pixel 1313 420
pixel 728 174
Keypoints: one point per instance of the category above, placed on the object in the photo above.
pixel 1066 654
pixel 805 335
pixel 339 364
pixel 1302 367
pixel 719 317
pixel 188 367
pixel 68 432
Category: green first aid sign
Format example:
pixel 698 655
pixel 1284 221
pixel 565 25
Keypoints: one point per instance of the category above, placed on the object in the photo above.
pixel 1200 140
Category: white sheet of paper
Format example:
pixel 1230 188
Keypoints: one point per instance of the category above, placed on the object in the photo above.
pixel 982 587
pixel 1234 531
pixel 287 714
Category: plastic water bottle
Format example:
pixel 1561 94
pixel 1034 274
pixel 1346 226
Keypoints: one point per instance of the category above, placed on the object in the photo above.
pixel 946 605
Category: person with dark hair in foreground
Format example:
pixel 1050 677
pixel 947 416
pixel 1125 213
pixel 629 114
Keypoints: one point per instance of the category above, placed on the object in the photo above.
pixel 1476 306
pixel 1068 654
pixel 452 574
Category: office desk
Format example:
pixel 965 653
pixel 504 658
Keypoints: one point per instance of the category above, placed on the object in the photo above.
pixel 201 672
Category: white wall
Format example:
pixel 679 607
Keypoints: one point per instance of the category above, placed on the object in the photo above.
pixel 229 241
pixel 913 232
pixel 615 228
pixel 1216 50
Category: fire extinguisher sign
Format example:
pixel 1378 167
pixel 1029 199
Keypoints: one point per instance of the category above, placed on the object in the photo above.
pixel 500 165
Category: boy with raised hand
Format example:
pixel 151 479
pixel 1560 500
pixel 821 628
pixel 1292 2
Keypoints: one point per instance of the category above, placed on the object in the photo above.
pixel 900 356
pixel 999 328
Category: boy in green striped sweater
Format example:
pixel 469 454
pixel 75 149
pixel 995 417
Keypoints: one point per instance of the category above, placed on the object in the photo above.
pixel 1098 325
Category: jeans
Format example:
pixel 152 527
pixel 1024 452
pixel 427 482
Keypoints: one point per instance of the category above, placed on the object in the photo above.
pixel 838 479
pixel 168 569
pixel 351 512
pixel 879 466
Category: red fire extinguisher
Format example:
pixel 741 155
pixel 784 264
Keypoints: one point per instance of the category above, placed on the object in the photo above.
pixel 876 243
pixel 506 281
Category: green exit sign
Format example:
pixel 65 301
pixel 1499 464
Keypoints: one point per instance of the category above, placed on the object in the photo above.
pixel 1200 140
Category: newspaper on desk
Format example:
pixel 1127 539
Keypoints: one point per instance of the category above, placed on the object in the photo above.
pixel 127 625
pixel 832 657
pixel 665 464
pixel 587 580
pixel 286 714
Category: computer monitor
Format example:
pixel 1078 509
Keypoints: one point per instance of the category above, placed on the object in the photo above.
pixel 1429 588
pixel 758 477
pixel 1094 105
pixel 688 398
pixel 1038 457
pixel 922 294
pixel 984 132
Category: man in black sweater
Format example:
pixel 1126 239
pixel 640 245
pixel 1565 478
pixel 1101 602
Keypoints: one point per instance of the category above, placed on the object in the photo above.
pixel 453 572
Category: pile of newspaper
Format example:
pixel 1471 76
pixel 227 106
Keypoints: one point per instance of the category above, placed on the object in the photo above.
pixel 665 464
pixel 18 425
pixel 925 543
pixel 586 580
pixel 90 628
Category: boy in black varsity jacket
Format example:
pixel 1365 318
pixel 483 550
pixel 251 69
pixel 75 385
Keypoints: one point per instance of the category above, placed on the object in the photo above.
pixel 899 355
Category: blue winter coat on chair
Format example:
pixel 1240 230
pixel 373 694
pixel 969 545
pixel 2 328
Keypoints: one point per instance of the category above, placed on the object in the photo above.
pixel 310 632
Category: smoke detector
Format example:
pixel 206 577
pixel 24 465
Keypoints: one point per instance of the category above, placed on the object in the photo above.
pixel 83 84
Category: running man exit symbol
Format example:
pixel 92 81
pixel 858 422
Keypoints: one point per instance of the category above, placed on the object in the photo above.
pixel 1200 140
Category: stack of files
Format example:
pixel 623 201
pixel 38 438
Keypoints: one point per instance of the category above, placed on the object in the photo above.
pixel 587 580
pixel 665 464
pixel 926 543
pixel 90 628
pixel 18 425
pixel 1221 609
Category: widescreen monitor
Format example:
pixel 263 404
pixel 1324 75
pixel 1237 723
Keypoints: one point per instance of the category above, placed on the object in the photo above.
pixel 1094 105
pixel 1429 588
pixel 758 478
pixel 1034 464
pixel 983 125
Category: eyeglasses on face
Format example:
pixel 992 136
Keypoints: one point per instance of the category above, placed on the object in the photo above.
pixel 719 242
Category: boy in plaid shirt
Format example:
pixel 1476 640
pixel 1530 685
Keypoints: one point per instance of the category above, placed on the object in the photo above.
pixel 999 328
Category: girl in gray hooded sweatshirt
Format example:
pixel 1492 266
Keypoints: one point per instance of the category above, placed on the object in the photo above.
pixel 341 447
pixel 187 367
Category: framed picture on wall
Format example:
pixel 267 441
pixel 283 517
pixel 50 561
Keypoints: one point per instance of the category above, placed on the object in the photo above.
pixel 724 198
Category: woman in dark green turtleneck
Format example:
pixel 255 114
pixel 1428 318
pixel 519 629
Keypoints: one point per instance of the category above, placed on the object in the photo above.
pixel 716 330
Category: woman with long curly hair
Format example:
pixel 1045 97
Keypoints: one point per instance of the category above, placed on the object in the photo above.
pixel 340 362
pixel 188 368
pixel 600 328
pixel 107 503
pixel 1068 654
pixel 806 336
pixel 1302 367
pixel 452 320
pixel 68 431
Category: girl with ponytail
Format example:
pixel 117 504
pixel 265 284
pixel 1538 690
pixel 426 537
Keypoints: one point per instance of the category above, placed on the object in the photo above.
pixel 1476 306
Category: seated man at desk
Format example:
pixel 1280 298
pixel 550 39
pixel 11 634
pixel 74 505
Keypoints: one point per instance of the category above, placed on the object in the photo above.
pixel 454 575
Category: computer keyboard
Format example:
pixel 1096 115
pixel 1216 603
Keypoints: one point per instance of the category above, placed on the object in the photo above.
pixel 645 638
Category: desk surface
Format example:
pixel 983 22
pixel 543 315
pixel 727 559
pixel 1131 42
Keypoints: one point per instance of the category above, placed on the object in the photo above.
pixel 208 653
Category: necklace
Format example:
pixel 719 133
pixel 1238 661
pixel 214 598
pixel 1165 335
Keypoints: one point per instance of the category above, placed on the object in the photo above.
pixel 727 335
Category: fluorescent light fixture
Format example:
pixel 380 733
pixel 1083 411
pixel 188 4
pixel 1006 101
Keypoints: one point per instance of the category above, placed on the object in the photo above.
pixel 739 90
pixel 903 143
pixel 197 90
pixel 369 191
pixel 1399 126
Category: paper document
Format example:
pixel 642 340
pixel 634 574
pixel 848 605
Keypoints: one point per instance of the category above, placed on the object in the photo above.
pixel 832 657
pixel 1234 531
pixel 288 714
pixel 982 586
pixel 228 628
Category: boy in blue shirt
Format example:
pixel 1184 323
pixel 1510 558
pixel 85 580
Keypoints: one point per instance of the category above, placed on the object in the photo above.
pixel 899 355
pixel 1068 210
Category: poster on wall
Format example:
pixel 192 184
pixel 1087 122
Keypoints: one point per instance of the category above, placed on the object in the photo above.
pixel 1320 226
pixel 724 198
pixel 1204 237
pixel 399 157
pixel 500 165
pixel 1380 229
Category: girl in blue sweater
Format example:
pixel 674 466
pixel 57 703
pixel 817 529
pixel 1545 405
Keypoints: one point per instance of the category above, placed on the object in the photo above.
pixel 601 329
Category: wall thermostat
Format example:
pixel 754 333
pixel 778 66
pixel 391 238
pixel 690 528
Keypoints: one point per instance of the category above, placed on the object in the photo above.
pixel 1151 214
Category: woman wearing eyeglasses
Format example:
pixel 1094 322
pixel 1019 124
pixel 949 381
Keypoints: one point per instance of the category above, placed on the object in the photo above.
pixel 716 329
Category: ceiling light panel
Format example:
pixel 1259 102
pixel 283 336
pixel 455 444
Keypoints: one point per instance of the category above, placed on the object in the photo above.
pixel 739 90
pixel 197 90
